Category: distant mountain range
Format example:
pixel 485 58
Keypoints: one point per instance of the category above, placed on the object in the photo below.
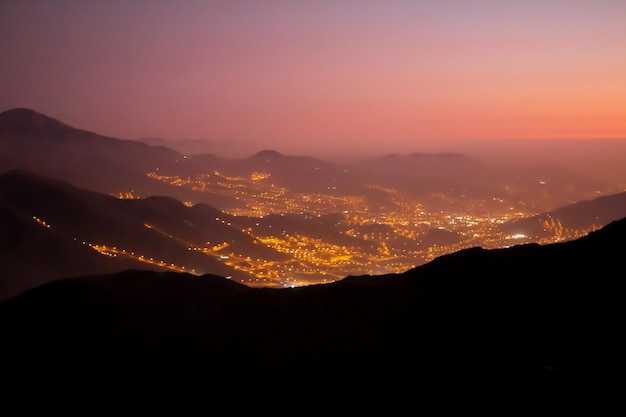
pixel 527 330
pixel 196 146
pixel 38 143
pixel 35 142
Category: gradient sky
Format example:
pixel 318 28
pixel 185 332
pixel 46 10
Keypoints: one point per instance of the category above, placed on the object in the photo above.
pixel 312 76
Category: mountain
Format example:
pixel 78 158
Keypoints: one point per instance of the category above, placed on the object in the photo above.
pixel 184 146
pixel 422 163
pixel 194 147
pixel 301 174
pixel 583 215
pixel 526 330
pixel 32 255
pixel 445 180
pixel 51 229
pixel 49 147
pixel 421 175
pixel 32 141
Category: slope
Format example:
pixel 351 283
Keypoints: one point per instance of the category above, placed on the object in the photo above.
pixel 35 142
pixel 583 215
pixel 527 330
pixel 66 223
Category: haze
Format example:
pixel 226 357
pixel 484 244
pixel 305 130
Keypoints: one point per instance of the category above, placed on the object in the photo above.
pixel 323 77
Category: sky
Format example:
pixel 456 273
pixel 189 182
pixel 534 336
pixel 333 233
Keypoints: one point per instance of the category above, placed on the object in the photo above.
pixel 320 77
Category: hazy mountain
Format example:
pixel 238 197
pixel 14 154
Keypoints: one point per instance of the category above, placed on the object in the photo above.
pixel 35 142
pixel 194 147
pixel 301 174
pixel 184 146
pixel 527 330
pixel 422 163
pixel 445 180
pixel 583 215
pixel 49 225
pixel 32 141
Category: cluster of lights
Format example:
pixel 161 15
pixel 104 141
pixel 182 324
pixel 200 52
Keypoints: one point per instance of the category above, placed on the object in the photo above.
pixel 41 222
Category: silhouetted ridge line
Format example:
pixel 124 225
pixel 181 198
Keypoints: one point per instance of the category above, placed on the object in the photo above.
pixel 581 215
pixel 267 154
pixel 53 230
pixel 525 330
pixel 27 121
pixel 96 162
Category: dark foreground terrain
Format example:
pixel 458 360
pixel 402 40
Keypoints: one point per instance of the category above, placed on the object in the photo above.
pixel 528 330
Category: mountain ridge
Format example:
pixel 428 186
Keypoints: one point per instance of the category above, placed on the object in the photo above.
pixel 38 208
pixel 32 141
pixel 27 120
pixel 576 216
pixel 118 166
pixel 513 331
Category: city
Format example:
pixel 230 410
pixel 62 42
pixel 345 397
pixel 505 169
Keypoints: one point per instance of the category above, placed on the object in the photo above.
pixel 327 237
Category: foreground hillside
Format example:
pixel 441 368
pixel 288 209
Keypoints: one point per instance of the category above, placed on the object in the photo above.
pixel 571 219
pixel 51 229
pixel 528 330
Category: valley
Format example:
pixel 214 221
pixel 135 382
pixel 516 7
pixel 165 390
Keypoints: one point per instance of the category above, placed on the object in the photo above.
pixel 274 220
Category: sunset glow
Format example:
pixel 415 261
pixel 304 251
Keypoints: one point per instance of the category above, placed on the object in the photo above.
pixel 308 77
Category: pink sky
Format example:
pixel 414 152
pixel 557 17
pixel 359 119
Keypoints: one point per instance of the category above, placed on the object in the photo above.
pixel 314 76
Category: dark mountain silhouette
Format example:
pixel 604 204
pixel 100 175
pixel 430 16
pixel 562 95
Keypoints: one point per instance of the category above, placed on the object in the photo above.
pixel 526 330
pixel 32 255
pixel 583 215
pixel 35 142
pixel 157 228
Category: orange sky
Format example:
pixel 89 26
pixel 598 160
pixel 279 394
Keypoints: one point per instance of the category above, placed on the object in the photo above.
pixel 310 77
